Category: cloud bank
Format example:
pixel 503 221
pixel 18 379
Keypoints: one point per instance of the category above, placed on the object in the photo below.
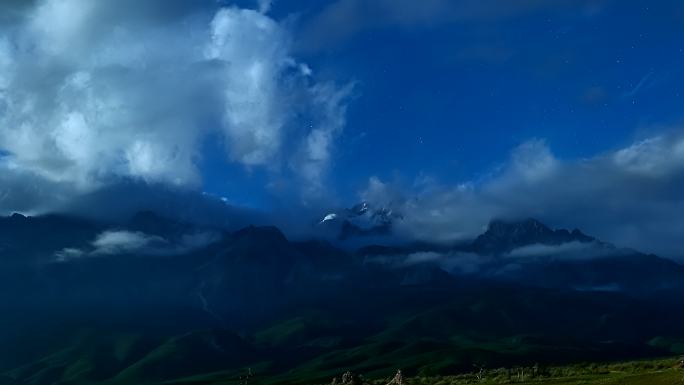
pixel 632 197
pixel 92 94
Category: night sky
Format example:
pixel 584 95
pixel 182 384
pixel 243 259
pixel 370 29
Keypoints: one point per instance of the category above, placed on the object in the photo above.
pixel 454 112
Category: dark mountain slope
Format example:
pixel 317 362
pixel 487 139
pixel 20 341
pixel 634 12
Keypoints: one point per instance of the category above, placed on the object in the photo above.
pixel 504 236
pixel 253 298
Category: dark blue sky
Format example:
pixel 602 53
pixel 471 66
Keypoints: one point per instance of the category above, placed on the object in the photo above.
pixel 449 98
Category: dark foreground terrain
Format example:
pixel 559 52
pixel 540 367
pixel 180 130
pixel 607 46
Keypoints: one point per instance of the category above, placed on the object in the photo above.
pixel 645 372
pixel 657 372
pixel 154 301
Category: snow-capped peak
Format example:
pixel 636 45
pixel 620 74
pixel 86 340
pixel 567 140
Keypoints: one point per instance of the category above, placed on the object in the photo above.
pixel 362 219
pixel 328 218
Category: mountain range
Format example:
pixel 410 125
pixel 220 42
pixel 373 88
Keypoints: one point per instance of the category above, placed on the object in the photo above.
pixel 154 299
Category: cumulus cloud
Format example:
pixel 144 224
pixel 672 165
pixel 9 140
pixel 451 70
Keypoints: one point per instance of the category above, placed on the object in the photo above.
pixel 253 51
pixel 632 197
pixel 92 93
pixel 265 5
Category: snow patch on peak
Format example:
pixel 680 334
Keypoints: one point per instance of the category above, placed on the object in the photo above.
pixel 328 218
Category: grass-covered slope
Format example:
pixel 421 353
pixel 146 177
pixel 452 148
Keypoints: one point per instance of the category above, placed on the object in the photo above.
pixel 651 372
pixel 654 372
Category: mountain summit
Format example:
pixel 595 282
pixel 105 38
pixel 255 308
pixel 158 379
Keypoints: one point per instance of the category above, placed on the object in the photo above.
pixel 504 236
pixel 361 220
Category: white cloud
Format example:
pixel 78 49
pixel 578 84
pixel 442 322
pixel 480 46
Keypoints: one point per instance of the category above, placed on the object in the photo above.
pixel 265 5
pixel 6 64
pixel 69 254
pixel 27 193
pixel 533 160
pixel 632 197
pixel 254 51
pixel 380 193
pixel 119 242
pixel 92 93
pixel 316 151
pixel 262 86
pixel 56 27
pixel 658 156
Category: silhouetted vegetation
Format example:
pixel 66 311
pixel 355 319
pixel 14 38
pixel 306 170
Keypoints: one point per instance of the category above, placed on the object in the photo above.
pixel 665 371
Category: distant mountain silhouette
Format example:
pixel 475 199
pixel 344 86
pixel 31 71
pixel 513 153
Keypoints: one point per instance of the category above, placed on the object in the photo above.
pixel 505 236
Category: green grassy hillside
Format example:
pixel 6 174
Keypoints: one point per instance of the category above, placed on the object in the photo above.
pixel 650 372
pixel 213 358
pixel 426 333
pixel 654 372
